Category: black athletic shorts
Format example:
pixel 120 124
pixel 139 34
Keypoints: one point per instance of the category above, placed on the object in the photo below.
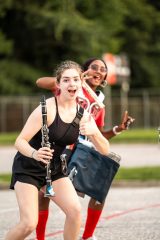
pixel 37 181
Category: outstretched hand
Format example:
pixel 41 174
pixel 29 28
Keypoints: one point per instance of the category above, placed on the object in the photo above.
pixel 126 121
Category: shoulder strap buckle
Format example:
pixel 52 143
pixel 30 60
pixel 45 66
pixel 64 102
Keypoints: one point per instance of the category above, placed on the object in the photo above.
pixel 78 116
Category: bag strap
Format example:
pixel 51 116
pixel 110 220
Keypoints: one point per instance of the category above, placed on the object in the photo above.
pixel 75 121
pixel 78 116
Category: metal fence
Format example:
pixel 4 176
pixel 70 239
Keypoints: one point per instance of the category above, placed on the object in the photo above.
pixel 143 105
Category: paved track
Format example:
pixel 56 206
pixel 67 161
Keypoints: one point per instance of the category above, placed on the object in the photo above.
pixel 132 155
pixel 129 214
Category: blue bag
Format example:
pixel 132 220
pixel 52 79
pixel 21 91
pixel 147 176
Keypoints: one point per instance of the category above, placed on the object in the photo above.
pixel 91 172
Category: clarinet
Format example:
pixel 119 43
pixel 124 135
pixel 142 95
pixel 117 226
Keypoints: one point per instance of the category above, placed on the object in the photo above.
pixel 45 143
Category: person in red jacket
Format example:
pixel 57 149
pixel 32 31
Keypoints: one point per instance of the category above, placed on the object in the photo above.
pixel 95 74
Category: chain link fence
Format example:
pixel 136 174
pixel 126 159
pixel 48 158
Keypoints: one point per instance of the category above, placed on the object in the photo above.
pixel 142 105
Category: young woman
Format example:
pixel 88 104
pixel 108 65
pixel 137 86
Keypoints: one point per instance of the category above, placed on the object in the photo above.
pixel 29 167
pixel 95 74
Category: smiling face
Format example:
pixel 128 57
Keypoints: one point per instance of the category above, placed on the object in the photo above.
pixel 97 72
pixel 68 75
pixel 70 83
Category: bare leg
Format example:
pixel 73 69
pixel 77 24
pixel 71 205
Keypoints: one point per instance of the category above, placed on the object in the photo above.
pixel 27 197
pixel 93 204
pixel 66 198
pixel 43 201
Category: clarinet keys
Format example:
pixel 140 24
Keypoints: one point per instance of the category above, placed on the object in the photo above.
pixel 49 192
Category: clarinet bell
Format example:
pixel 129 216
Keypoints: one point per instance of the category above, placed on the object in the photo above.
pixel 49 190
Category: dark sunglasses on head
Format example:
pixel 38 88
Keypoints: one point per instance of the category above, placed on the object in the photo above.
pixel 95 67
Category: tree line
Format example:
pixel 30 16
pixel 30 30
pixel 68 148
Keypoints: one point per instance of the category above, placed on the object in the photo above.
pixel 36 35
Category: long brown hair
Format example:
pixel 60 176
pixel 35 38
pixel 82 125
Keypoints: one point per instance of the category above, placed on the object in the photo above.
pixel 67 65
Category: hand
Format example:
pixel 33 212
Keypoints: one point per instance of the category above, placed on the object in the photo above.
pixel 126 121
pixel 86 75
pixel 43 154
pixel 88 126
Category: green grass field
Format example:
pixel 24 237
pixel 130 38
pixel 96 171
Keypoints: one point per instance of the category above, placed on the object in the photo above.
pixel 130 136
pixel 137 136
pixel 139 173
pixel 128 174
pixel 8 138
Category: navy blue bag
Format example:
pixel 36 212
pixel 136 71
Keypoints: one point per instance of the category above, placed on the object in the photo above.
pixel 91 172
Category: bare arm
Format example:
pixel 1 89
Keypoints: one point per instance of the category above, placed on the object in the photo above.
pixel 47 83
pixel 89 128
pixel 100 142
pixel 32 126
pixel 126 121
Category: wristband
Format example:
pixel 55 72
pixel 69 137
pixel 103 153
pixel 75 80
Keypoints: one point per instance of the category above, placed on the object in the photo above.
pixel 114 130
pixel 33 153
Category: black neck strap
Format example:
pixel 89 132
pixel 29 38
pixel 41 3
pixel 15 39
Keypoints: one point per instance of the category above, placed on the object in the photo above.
pixel 78 116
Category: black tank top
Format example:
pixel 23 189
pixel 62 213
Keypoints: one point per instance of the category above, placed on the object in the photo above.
pixel 60 135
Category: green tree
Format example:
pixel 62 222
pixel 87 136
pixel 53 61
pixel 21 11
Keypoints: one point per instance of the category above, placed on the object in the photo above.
pixel 141 42
pixel 36 35
pixel 45 32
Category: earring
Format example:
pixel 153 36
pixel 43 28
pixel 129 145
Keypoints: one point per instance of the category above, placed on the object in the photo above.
pixel 103 83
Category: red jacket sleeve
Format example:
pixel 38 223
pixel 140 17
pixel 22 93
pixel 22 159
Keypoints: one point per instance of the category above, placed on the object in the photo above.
pixel 100 118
